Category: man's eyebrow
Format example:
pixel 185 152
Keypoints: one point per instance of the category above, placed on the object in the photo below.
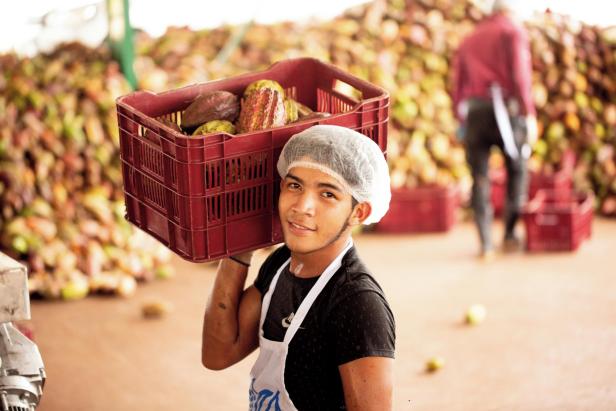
pixel 296 178
pixel 320 185
pixel 329 185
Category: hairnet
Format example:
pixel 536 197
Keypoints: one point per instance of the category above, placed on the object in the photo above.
pixel 353 159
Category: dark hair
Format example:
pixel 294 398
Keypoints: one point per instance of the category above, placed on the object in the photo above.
pixel 354 202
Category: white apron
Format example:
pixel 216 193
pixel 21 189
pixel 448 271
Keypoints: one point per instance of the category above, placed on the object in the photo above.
pixel 504 125
pixel 267 391
pixel 502 121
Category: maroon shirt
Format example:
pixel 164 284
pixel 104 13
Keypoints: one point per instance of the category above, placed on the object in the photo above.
pixel 497 51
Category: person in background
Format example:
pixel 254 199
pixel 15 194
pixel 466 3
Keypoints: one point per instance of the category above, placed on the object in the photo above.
pixel 491 91
pixel 324 329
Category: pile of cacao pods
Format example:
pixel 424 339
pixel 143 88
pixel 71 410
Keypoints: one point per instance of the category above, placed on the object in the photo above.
pixel 574 90
pixel 61 202
pixel 406 46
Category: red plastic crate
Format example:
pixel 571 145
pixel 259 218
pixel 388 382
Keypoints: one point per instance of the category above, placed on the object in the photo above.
pixel 420 210
pixel 556 221
pixel 561 180
pixel 209 197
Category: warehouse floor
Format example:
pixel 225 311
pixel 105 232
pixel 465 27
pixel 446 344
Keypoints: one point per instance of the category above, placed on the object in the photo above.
pixel 548 342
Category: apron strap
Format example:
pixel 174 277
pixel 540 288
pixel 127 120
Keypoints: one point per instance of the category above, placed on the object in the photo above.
pixel 502 121
pixel 314 292
pixel 268 295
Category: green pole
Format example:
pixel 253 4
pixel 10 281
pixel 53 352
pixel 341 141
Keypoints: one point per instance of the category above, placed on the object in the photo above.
pixel 121 38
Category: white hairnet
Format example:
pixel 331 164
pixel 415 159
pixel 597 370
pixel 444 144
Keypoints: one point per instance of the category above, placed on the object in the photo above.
pixel 350 157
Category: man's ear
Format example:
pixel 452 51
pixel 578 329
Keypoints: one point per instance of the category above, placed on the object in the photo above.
pixel 360 213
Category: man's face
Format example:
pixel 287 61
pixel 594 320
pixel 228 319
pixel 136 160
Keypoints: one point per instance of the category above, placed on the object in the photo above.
pixel 314 210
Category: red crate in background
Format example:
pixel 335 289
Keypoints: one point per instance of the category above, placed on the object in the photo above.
pixel 557 221
pixel 420 210
pixel 561 180
pixel 209 197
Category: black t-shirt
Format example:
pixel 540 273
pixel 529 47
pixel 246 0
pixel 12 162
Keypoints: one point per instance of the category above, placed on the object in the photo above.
pixel 350 319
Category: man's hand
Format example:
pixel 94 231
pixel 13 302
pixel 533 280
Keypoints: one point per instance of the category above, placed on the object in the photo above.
pixel 531 130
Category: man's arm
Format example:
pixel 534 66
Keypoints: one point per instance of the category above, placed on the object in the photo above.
pixel 522 81
pixel 522 70
pixel 231 321
pixel 456 83
pixel 368 384
pixel 364 352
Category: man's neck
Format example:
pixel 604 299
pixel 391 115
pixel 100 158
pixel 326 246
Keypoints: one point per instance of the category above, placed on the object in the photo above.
pixel 313 264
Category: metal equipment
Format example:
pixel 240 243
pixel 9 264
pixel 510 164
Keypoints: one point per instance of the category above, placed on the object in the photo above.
pixel 22 374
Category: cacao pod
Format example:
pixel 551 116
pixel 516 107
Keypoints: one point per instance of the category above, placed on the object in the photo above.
pixel 214 126
pixel 290 106
pixel 262 109
pixel 264 84
pixel 303 110
pixel 214 105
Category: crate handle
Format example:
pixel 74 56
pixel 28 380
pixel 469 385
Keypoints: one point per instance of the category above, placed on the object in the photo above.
pixel 347 90
pixel 546 219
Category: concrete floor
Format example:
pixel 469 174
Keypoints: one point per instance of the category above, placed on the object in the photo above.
pixel 548 342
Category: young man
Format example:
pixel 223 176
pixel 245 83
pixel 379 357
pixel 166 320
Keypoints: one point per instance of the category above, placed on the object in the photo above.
pixel 324 330
pixel 492 96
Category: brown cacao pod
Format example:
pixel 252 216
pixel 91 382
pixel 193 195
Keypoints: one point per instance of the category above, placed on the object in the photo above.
pixel 262 109
pixel 214 105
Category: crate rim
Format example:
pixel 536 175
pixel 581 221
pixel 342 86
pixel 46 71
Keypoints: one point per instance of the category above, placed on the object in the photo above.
pixel 536 204
pixel 221 137
pixel 383 96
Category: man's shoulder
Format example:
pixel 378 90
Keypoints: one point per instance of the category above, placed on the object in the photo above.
pixel 270 266
pixel 278 256
pixel 354 277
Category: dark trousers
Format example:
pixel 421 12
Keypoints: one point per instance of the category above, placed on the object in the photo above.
pixel 481 134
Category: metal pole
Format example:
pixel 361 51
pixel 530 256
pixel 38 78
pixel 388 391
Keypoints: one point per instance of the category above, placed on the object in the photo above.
pixel 121 38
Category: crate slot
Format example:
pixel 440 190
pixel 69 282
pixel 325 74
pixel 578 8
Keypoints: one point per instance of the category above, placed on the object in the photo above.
pixel 256 166
pixel 291 92
pixel 248 200
pixel 172 117
pixel 369 131
pixel 339 106
pixel 246 168
pixel 214 209
pixel 152 160
pixel 153 193
pixel 213 175
pixel 323 103
pixel 232 171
